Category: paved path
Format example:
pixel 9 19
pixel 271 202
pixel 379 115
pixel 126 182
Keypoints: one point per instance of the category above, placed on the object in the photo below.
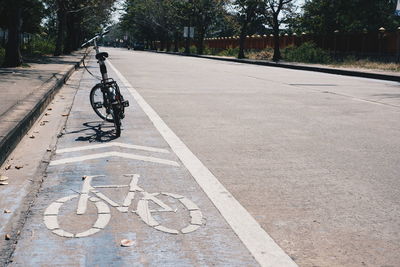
pixel 193 232
pixel 18 83
pixel 249 152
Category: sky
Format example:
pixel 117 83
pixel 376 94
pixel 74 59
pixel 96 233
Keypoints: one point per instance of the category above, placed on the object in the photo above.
pixel 119 5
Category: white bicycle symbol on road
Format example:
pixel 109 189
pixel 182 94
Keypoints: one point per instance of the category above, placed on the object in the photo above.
pixel 90 193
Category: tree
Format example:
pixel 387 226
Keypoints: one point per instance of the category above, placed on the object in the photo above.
pixel 248 12
pixel 277 11
pixel 77 19
pixel 205 14
pixel 19 16
pixel 325 16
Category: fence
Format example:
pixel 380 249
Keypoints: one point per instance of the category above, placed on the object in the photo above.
pixel 382 44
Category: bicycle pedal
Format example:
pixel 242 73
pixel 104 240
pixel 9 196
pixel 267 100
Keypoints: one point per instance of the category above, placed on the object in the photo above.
pixel 125 103
pixel 98 104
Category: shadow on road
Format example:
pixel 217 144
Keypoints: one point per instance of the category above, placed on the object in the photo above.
pixel 95 131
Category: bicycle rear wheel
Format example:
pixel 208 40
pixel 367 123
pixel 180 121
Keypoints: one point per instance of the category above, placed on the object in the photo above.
pixel 99 103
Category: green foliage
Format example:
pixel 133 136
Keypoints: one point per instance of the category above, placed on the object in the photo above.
pixel 326 16
pixel 192 49
pixel 32 13
pixel 40 45
pixel 210 51
pixel 229 52
pixel 307 53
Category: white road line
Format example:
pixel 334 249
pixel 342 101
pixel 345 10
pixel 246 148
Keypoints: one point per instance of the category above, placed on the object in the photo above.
pixel 81 148
pixel 258 242
pixel 114 154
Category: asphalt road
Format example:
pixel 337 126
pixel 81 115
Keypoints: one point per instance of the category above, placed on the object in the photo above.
pixel 313 158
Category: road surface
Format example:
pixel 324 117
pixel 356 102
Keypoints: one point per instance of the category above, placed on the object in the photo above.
pixel 259 165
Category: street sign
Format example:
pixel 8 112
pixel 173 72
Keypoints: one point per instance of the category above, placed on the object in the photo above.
pixel 188 31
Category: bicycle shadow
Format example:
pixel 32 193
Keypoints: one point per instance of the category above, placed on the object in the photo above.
pixel 96 131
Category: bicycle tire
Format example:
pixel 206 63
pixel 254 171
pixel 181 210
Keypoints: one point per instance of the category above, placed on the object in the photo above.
pixel 51 214
pixel 97 103
pixel 144 212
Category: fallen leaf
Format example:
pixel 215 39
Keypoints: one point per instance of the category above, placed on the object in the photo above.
pixel 8 167
pixel 49 109
pixel 3 183
pixel 65 115
pixel 46 114
pixel 7 211
pixel 3 178
pixel 7 237
pixel 32 136
pixel 48 150
pixel 84 177
pixel 18 167
pixel 127 243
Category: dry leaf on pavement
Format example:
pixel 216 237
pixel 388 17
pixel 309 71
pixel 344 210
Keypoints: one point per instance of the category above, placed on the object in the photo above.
pixel 18 167
pixel 32 136
pixel 7 211
pixel 127 243
pixel 4 183
pixel 3 178
pixel 7 167
pixel 7 237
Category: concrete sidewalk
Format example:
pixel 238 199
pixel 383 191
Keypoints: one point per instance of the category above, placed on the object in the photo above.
pixel 26 91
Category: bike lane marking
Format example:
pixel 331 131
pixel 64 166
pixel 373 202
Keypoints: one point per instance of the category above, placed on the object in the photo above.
pixel 114 154
pixel 257 241
pixel 117 144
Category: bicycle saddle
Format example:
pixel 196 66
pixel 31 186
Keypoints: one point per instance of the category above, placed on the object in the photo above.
pixel 102 55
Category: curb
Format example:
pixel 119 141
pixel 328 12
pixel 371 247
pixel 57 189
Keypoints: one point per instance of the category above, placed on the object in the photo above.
pixel 369 75
pixel 43 96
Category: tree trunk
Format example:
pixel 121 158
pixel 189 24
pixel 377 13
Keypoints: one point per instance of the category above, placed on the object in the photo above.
pixel 176 42
pixel 61 17
pixel 277 52
pixel 13 56
pixel 200 42
pixel 242 40
pixel 69 39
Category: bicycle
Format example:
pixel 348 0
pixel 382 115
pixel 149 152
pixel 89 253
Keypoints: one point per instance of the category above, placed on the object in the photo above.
pixel 105 97
pixel 103 211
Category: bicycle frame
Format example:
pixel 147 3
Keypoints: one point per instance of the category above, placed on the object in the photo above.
pixel 103 68
pixel 87 188
pixel 100 201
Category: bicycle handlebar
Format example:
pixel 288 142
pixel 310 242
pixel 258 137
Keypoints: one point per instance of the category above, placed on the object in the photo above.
pixel 95 38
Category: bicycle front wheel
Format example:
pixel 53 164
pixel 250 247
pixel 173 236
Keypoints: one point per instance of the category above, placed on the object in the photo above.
pixel 100 103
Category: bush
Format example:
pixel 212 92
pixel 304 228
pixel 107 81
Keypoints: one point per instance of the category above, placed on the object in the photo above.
pixel 265 54
pixel 229 52
pixel 40 45
pixel 209 51
pixel 307 53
